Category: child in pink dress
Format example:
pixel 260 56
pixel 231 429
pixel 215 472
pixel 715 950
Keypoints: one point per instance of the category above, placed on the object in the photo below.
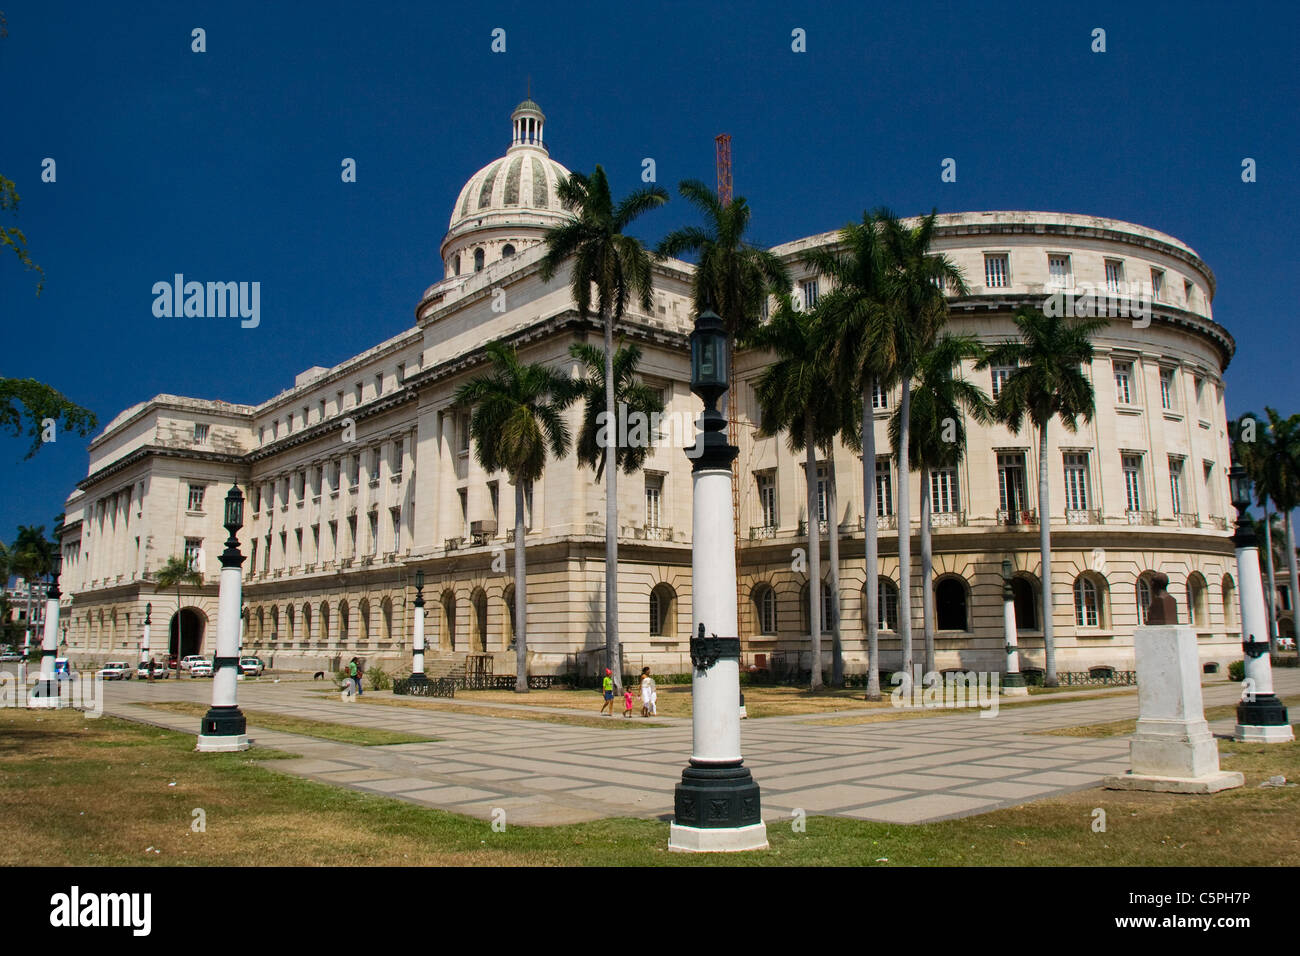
pixel 627 702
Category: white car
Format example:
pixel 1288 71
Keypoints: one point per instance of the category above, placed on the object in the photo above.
pixel 160 671
pixel 200 668
pixel 116 670
pixel 251 666
pixel 189 659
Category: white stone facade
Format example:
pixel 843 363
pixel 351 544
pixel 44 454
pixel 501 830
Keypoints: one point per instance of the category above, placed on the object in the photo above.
pixel 358 475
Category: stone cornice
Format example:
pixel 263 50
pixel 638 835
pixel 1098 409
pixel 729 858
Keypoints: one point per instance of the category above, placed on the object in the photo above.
pixel 159 451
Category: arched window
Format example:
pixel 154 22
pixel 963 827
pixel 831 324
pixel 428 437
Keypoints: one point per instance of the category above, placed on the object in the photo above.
pixel 447 622
pixel 663 611
pixel 950 604
pixel 275 623
pixel 824 610
pixel 478 260
pixel 1025 596
pixel 306 622
pixel 508 618
pixel 324 622
pixel 886 604
pixel 1198 610
pixel 344 622
pixel 289 634
pixel 386 618
pixel 363 613
pixel 478 638
pixel 765 608
pixel 1144 596
pixel 1088 602
pixel 1230 609
pixel 457 264
pixel 261 623
pixel 507 251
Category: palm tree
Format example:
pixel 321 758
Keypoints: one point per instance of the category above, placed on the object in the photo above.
pixel 916 308
pixel 793 396
pixel 1048 381
pixel 860 360
pixel 1276 467
pixel 33 558
pixel 619 268
pixel 938 440
pixel 517 417
pixel 638 398
pixel 175 572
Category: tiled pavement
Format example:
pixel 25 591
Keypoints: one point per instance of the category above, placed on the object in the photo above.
pixel 914 770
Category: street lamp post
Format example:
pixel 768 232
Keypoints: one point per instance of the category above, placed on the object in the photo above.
pixel 1261 716
pixel 417 657
pixel 144 641
pixel 1013 682
pixel 716 806
pixel 224 727
pixel 46 692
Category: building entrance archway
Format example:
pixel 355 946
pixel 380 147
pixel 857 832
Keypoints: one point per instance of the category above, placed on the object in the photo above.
pixel 193 624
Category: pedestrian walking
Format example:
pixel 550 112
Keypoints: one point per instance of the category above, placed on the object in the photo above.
pixel 648 693
pixel 607 687
pixel 627 702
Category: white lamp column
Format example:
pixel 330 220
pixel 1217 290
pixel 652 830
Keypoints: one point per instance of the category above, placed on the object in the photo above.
pixel 716 806
pixel 46 691
pixel 224 728
pixel 1013 682
pixel 417 656
pixel 1261 716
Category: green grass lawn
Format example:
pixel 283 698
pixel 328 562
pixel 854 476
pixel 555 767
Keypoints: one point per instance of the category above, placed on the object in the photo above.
pixel 111 792
pixel 324 729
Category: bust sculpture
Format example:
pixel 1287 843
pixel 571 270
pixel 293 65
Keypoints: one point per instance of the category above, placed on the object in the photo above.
pixel 1163 609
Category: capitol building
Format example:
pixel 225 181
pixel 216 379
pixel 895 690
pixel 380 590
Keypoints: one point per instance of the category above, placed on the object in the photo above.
pixel 361 474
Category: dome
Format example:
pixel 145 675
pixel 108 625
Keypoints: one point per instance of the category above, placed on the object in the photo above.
pixel 510 202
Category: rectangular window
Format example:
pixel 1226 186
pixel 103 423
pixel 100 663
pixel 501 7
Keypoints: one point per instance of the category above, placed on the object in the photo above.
pixel 1157 284
pixel 654 488
pixel 1011 482
pixel 1188 289
pixel 297 535
pixel 261 434
pixel 1200 396
pixel 884 488
pixel 257 498
pixel 354 463
pixel 379 385
pixel 356 398
pixel 374 467
pixel 464 512
pixel 1114 275
pixel 1176 484
pixel 494 497
pixel 201 434
pixel 192 548
pixel 1059 275
pixel 338 403
pixel 315 542
pixel 943 491
pixel 196 498
pixel 1207 467
pixel 997 275
pixel 401 372
pixel 1167 389
pixel 528 505
pixel 305 410
pixel 1132 482
pixel 334 539
pixel 1123 383
pixel 767 499
pixel 822 479
pixel 320 407
pixel 879 397
pixel 1076 482
pixel 396 515
pixel 809 288
pixel 374 532
pixel 462 432
pixel 352 534
pixel 1000 374
pixel 395 457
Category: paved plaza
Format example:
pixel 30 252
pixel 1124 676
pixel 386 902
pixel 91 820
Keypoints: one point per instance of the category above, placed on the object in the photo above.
pixel 914 770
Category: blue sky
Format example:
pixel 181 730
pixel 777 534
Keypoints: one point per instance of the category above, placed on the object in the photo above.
pixel 224 165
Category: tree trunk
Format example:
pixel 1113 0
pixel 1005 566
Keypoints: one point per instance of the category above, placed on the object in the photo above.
pixel 1045 554
pixel 833 530
pixel 814 556
pixel 1295 579
pixel 1270 602
pixel 27 634
pixel 612 649
pixel 871 613
pixel 905 532
pixel 927 571
pixel 521 596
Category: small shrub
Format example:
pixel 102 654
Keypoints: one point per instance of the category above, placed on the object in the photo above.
pixel 1237 671
pixel 380 679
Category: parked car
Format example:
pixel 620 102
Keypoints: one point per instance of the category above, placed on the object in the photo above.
pixel 11 655
pixel 200 668
pixel 251 666
pixel 171 661
pixel 159 672
pixel 1283 644
pixel 189 660
pixel 116 670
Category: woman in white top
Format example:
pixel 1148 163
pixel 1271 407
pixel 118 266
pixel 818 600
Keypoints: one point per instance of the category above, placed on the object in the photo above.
pixel 648 695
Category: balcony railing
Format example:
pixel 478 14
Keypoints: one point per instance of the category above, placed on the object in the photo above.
pixel 653 533
pixel 1217 521
pixel 759 532
pixel 510 533
pixel 451 544
pixel 1140 517
pixel 803 527
pixel 1016 519
pixel 948 519
pixel 1188 520
pixel 480 538
pixel 1082 516
pixel 883 523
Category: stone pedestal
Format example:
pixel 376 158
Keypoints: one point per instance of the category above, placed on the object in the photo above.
pixel 1173 749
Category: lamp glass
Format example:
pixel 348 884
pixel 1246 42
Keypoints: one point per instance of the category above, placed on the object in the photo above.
pixel 708 357
pixel 234 509
pixel 1240 486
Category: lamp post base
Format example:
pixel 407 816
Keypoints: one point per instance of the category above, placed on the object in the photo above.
pixel 717 810
pixel 418 680
pixel 1263 720
pixel 1013 685
pixel 224 729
